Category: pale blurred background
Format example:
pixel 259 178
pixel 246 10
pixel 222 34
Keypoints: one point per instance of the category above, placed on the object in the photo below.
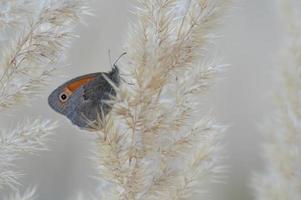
pixel 250 40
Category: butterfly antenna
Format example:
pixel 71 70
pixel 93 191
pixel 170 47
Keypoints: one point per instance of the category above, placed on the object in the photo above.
pixel 115 63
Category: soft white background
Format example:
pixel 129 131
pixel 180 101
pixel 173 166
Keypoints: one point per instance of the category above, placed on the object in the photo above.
pixel 250 40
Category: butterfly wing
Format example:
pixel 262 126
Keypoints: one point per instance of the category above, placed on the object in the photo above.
pixel 90 103
pixel 99 92
pixel 88 96
pixel 70 88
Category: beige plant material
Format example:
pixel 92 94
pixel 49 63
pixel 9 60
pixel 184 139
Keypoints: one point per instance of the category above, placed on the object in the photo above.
pixel 28 195
pixel 29 61
pixel 159 142
pixel 13 12
pixel 281 179
pixel 36 46
pixel 28 137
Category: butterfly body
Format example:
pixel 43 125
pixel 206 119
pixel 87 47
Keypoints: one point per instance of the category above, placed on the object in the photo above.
pixel 84 99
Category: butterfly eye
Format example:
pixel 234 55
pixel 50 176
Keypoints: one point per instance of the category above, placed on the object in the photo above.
pixel 63 97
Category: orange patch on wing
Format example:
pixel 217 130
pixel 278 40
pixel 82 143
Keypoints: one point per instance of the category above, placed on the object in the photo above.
pixel 75 85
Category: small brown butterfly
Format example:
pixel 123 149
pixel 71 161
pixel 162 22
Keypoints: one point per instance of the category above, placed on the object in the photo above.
pixel 82 99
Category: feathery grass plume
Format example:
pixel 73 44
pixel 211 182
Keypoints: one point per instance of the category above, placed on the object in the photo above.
pixel 28 62
pixel 282 148
pixel 13 12
pixel 28 137
pixel 28 195
pixel 26 66
pixel 158 142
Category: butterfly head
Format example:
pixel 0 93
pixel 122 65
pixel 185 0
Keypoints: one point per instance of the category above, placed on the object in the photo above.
pixel 114 75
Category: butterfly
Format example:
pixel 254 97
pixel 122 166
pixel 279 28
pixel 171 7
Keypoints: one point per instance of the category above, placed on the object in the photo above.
pixel 84 99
